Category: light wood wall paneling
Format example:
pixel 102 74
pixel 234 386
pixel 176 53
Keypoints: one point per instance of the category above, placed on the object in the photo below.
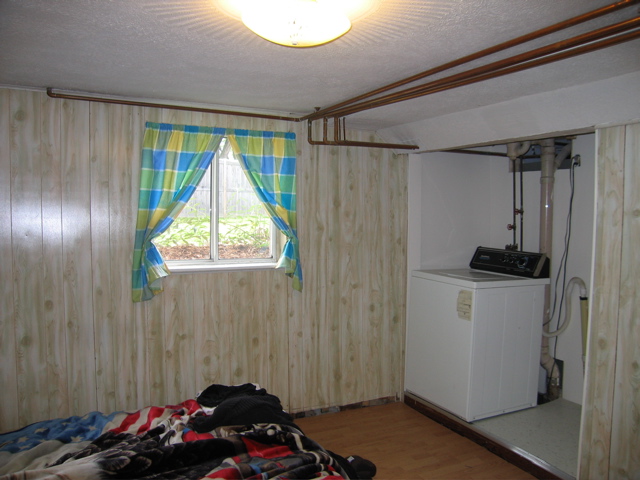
pixel 376 198
pixel 26 225
pixel 625 454
pixel 179 335
pixel 213 331
pixel 297 303
pixel 600 379
pixel 318 354
pixel 103 315
pixel 199 347
pixel 70 192
pixel 123 199
pixel 321 338
pixel 76 251
pixel 119 199
pixel 271 315
pixel 330 265
pixel 155 350
pixel 52 257
pixel 396 287
pixel 388 228
pixel 248 332
pixel 350 218
pixel 178 117
pixel 309 384
pixel 8 345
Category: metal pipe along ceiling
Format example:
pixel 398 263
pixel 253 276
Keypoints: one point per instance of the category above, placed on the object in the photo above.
pixel 588 42
pixel 478 55
pixel 595 40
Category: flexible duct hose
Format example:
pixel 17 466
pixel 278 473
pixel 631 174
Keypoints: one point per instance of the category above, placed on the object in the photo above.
pixel 567 311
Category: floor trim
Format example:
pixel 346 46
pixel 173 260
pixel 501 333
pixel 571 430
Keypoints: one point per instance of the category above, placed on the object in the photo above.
pixel 352 406
pixel 512 454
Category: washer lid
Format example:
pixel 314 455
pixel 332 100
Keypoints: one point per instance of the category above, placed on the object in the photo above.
pixel 470 278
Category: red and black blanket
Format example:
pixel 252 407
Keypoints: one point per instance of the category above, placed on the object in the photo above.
pixel 226 432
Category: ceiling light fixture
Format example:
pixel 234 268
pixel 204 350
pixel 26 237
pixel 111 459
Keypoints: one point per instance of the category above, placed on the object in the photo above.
pixel 298 23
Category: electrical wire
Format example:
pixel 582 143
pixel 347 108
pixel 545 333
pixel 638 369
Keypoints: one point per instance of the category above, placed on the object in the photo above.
pixel 562 269
pixel 514 208
pixel 522 200
pixel 565 255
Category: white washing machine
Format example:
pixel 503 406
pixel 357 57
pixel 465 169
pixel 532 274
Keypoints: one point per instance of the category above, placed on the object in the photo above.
pixel 473 340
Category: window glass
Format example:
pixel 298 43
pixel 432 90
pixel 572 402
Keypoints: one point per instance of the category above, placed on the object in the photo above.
pixel 223 207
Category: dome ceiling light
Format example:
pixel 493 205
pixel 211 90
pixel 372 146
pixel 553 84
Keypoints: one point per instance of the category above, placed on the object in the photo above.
pixel 298 23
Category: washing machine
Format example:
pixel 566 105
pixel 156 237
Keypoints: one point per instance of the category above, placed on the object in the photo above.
pixel 474 335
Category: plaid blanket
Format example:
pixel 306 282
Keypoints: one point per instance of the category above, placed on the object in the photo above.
pixel 164 443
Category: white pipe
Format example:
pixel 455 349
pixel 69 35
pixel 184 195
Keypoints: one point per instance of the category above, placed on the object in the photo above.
pixel 549 164
pixel 564 153
pixel 567 302
pixel 517 149
pixel 547 180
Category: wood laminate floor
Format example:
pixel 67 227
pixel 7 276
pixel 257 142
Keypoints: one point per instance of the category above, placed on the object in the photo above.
pixel 405 444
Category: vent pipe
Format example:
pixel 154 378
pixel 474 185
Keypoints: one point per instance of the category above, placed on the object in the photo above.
pixel 549 164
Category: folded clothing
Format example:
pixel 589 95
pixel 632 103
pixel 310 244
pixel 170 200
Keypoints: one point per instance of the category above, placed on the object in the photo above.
pixel 243 410
pixel 215 394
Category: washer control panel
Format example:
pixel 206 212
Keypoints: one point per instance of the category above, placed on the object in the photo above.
pixel 511 262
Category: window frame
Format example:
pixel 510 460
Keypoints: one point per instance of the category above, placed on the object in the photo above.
pixel 215 263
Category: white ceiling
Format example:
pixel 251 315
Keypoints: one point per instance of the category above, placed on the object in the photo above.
pixel 189 51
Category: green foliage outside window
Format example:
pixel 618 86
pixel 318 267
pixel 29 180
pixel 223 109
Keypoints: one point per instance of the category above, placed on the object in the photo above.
pixel 250 230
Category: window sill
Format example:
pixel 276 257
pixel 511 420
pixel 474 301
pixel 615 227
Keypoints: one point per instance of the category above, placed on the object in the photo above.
pixel 177 266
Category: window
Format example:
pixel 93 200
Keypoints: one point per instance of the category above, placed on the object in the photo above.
pixel 226 209
pixel 174 160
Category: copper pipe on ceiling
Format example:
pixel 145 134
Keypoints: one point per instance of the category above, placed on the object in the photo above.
pixel 581 44
pixel 337 141
pixel 560 50
pixel 319 113
pixel 341 141
pixel 118 101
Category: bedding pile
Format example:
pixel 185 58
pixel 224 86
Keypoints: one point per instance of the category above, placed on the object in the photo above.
pixel 229 432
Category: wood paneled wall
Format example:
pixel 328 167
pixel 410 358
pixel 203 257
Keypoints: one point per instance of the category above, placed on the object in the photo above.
pixel 72 341
pixel 610 418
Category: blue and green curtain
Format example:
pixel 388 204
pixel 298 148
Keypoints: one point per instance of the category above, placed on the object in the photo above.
pixel 174 160
pixel 269 162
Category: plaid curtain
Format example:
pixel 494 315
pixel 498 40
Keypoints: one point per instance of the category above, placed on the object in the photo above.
pixel 269 162
pixel 174 160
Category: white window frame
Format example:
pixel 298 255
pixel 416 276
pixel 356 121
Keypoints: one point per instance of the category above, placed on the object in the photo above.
pixel 214 263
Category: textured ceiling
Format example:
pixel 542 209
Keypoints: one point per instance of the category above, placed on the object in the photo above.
pixel 190 51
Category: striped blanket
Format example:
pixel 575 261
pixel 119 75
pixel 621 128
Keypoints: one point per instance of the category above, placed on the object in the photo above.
pixel 184 441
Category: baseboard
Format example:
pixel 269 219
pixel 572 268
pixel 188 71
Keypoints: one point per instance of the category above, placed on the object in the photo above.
pixel 352 406
pixel 514 455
